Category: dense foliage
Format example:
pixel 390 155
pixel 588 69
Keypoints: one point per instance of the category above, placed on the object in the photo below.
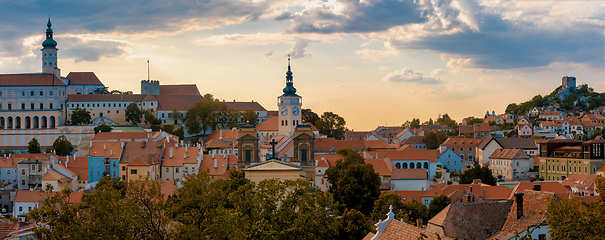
pixel 80 116
pixel 33 146
pixel 103 128
pixel 432 140
pixel 355 184
pixel 62 146
pixel 478 172
pixel 570 103
pixel 201 209
pixel 332 125
pixel 133 114
pixel 575 219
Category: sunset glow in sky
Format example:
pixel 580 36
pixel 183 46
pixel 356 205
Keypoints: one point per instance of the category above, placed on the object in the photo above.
pixel 372 62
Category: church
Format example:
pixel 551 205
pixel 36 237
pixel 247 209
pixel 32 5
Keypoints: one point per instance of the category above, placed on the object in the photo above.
pixel 285 137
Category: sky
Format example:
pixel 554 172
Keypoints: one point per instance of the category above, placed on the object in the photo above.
pixel 373 62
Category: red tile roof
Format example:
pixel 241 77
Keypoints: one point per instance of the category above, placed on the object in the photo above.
pixel 458 142
pixel 181 89
pixel 534 212
pixel 180 156
pixel 508 154
pixel 178 102
pixel 30 79
pixel 221 164
pixel 109 97
pixel 243 106
pixel 79 165
pixel 553 187
pixel 410 196
pixel 269 125
pixel 397 230
pixel 83 78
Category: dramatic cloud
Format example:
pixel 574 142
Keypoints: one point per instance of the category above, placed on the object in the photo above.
pixel 407 75
pixel 344 16
pixel 299 50
pixel 91 50
pixel 375 54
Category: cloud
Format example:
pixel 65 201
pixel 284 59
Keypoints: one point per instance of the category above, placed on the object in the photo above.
pixel 283 16
pixel 83 49
pixel 410 76
pixel 375 54
pixel 120 19
pixel 299 50
pixel 343 16
pixel 494 40
pixel 268 54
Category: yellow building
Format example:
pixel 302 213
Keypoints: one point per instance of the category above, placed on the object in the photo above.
pixel 273 169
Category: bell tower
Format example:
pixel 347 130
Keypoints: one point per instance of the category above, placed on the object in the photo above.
pixel 289 107
pixel 49 53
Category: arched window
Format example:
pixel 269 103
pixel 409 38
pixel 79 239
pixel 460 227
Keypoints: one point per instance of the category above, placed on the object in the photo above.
pixel 411 165
pixel 405 165
pixel 426 165
pixel 418 165
pixel 397 165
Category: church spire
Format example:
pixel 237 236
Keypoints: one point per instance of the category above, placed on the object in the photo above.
pixel 289 90
pixel 49 52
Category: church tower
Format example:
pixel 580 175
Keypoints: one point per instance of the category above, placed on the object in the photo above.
pixel 49 53
pixel 289 106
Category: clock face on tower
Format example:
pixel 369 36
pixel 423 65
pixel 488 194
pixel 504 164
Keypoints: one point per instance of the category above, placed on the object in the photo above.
pixel 295 111
pixel 284 111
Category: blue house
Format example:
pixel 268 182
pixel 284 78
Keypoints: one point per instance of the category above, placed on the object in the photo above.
pixel 104 160
pixel 450 160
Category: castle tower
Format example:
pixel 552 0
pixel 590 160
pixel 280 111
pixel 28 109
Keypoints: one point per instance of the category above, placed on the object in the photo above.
pixel 150 87
pixel 289 106
pixel 49 53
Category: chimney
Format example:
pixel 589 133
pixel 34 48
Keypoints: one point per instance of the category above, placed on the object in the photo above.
pixel 104 147
pixel 90 143
pixel 519 199
pixel 184 156
pixel 419 223
pixel 110 152
pixel 121 144
pixel 170 152
pixel 215 163
pixel 537 187
pixel 221 134
pixel 468 198
pixel 476 181
pixel 186 148
pixel 470 188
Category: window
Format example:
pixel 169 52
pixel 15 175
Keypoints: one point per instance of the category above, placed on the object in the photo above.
pixel 41 105
pixel 133 171
pixel 32 106
pixel 20 208
pixel 50 93
pixel 193 169
pixel 33 167
pixel 22 182
pixel 22 171
pixel 23 106
pixel 103 104
pixel 41 93
pixel 123 168
pixel 166 169
pixel 177 170
pixel 31 93
pixel 10 106
pixel 22 93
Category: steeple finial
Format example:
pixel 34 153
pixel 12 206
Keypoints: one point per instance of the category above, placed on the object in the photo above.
pixel 49 24
pixel 288 62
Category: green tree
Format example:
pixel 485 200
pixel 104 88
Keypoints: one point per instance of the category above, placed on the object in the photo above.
pixel 204 115
pixel 176 115
pixel 478 172
pixel 249 117
pixel 62 146
pixel 102 91
pixel 80 116
pixel 331 125
pixel 309 116
pixel 437 204
pixel 413 124
pixel 432 140
pixel 133 114
pixel 445 119
pixel 33 146
pixel 386 200
pixel 103 128
pixel 353 225
pixel 150 117
pixel 355 184
pixel 575 219
pixel 210 97
pixel 413 211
